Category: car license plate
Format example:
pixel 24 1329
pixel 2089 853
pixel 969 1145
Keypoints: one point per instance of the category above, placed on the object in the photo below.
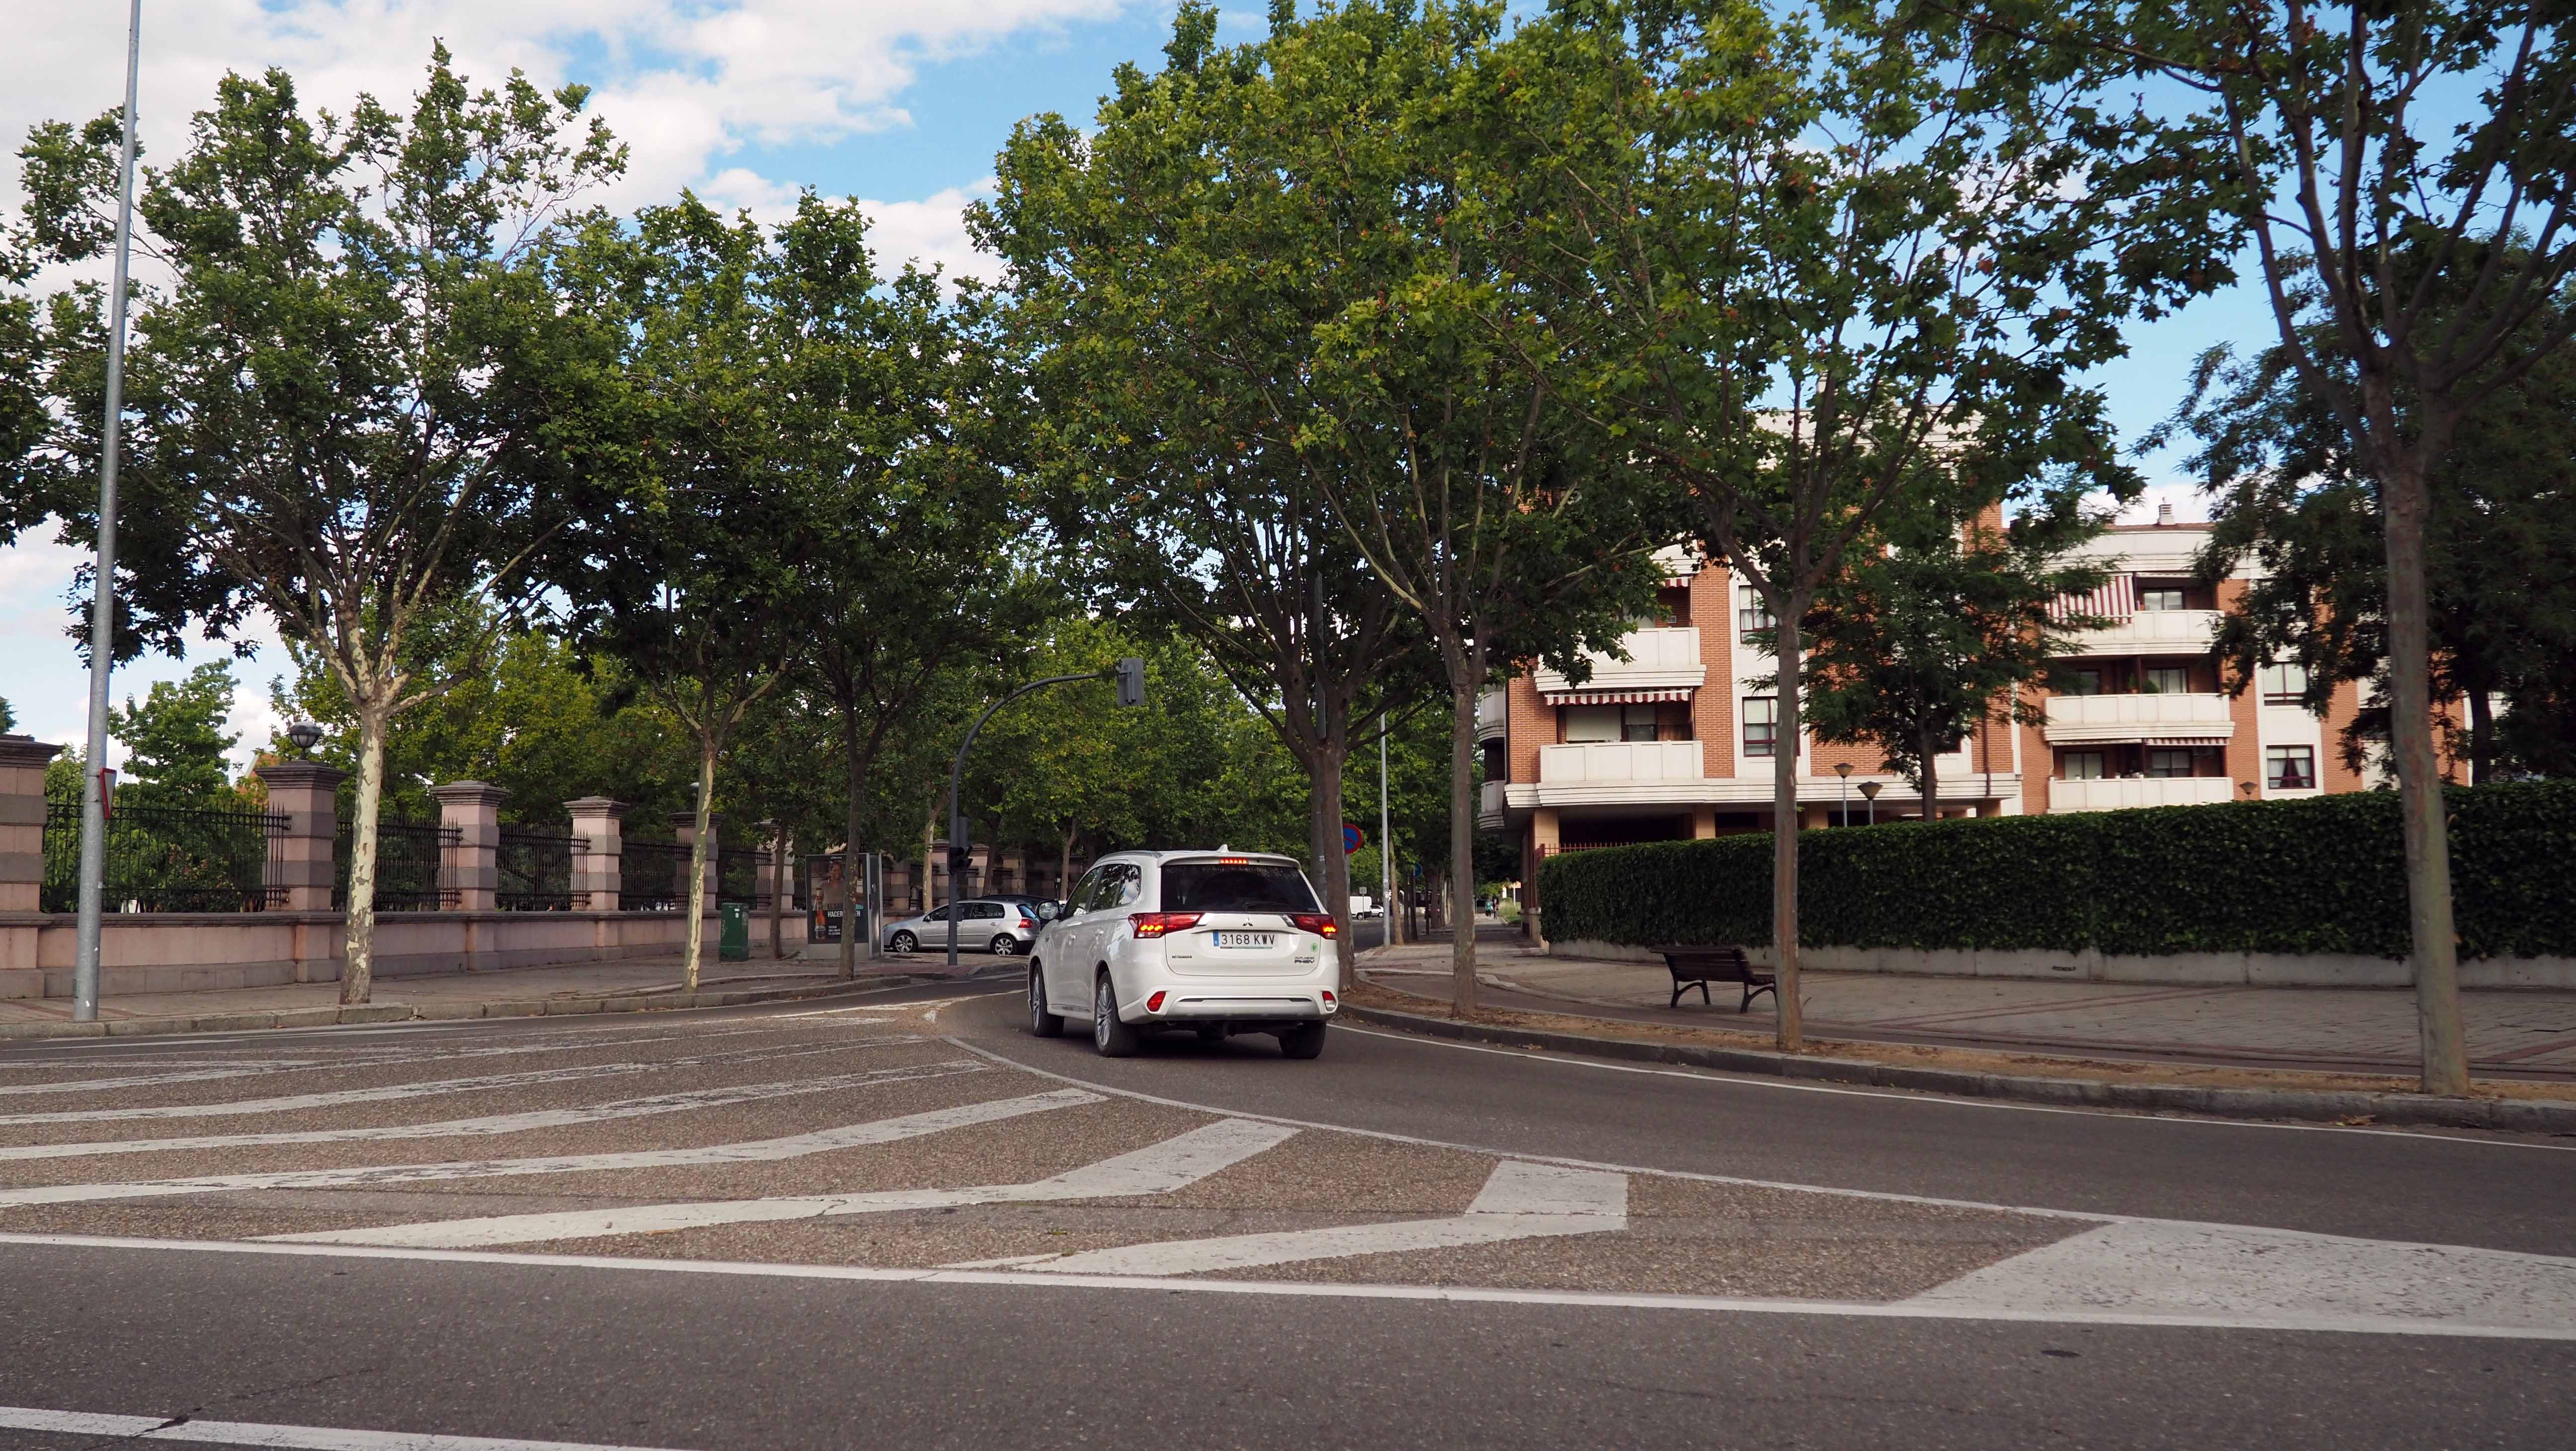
pixel 1247 939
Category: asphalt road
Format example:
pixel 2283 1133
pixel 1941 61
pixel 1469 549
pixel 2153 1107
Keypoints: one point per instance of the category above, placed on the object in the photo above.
pixel 566 1342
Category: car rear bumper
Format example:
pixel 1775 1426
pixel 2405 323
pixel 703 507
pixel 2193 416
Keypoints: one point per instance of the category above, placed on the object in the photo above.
pixel 1199 1003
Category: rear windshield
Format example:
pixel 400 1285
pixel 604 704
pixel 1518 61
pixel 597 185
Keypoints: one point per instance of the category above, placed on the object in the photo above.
pixel 1236 887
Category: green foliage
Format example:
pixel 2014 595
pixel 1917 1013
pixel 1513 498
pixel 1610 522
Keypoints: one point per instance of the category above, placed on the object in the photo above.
pixel 175 739
pixel 2324 875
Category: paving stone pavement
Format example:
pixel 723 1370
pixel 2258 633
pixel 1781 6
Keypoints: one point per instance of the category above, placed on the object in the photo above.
pixel 859 1138
pixel 2532 1031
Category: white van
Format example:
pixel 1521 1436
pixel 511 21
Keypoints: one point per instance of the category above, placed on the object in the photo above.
pixel 1216 942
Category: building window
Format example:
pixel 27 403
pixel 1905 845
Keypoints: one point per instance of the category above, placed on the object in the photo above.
pixel 2285 684
pixel 1637 723
pixel 2167 764
pixel 1497 762
pixel 2082 682
pixel 1761 724
pixel 1672 609
pixel 2084 765
pixel 2167 680
pixel 1591 723
pixel 1752 616
pixel 2160 598
pixel 2290 768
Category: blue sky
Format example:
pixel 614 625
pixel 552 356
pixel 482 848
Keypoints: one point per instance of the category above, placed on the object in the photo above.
pixel 902 105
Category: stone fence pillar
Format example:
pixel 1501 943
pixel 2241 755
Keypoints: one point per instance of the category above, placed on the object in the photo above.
pixel 599 823
pixel 684 826
pixel 22 823
pixel 474 862
pixel 307 794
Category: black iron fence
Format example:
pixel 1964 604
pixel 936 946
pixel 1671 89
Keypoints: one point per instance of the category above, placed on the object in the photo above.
pixel 648 875
pixel 167 859
pixel 410 858
pixel 535 872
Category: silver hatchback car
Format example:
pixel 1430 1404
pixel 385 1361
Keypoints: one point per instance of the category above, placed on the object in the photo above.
pixel 1000 926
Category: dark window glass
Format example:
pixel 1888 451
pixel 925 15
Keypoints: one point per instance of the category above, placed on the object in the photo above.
pixel 1233 887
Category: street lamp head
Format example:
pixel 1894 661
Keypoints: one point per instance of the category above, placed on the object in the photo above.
pixel 1842 768
pixel 306 735
pixel 2247 787
pixel 1869 789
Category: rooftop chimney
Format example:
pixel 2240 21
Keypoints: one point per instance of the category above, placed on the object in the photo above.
pixel 2164 513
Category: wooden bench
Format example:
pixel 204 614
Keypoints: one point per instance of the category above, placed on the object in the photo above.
pixel 1700 966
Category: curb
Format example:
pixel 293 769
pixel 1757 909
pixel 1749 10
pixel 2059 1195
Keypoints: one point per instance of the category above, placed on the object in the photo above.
pixel 2322 1105
pixel 656 1000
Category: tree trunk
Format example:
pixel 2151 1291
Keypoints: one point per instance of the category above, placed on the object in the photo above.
pixel 1463 685
pixel 2419 784
pixel 778 897
pixel 358 960
pixel 1931 779
pixel 1064 866
pixel 856 769
pixel 1324 821
pixel 693 900
pixel 929 840
pixel 1791 1033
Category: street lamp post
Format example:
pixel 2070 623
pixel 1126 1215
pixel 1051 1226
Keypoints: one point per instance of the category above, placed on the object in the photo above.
pixel 1843 769
pixel 102 616
pixel 1130 675
pixel 1869 791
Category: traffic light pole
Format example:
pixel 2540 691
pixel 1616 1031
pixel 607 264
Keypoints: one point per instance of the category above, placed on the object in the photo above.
pixel 1130 675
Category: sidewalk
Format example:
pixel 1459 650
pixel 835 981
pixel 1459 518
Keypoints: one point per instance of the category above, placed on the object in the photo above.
pixel 636 984
pixel 2515 1034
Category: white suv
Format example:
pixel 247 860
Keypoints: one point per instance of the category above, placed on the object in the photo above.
pixel 1220 942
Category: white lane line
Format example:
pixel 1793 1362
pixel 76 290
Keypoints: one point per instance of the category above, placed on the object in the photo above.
pixel 757 1151
pixel 251 1433
pixel 504 1123
pixel 1721 1076
pixel 2178 1270
pixel 292 1103
pixel 1161 1168
pixel 1519 1201
pixel 142 1080
pixel 1301 1289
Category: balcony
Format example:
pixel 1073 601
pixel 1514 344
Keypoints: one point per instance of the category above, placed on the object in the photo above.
pixel 1658 659
pixel 1620 763
pixel 1491 798
pixel 2079 719
pixel 1489 715
pixel 2153 632
pixel 2120 795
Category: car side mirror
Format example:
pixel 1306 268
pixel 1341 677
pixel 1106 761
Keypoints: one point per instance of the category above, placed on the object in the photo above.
pixel 1052 911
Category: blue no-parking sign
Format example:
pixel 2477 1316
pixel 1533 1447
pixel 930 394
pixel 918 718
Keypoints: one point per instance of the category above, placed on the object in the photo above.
pixel 1351 839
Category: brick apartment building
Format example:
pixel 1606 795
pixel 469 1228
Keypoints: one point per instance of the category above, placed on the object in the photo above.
pixel 1676 741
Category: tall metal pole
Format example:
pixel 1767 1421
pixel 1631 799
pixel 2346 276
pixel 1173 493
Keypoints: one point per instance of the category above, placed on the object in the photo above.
pixel 1385 839
pixel 102 614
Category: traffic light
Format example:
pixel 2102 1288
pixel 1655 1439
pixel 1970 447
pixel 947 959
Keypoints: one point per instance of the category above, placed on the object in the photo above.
pixel 1131 681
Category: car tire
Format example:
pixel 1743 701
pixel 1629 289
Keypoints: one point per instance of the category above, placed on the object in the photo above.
pixel 1306 1040
pixel 1003 944
pixel 1041 1022
pixel 902 942
pixel 1113 1038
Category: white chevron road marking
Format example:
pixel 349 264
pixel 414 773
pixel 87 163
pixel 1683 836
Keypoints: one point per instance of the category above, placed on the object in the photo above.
pixel 1519 1201
pixel 2145 1268
pixel 502 1123
pixel 1161 1168
pixel 847 1136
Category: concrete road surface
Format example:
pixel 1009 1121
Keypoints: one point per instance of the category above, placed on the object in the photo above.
pixel 902 1221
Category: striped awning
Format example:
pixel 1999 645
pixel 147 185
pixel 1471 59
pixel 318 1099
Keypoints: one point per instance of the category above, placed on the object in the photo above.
pixel 2116 601
pixel 2186 740
pixel 1616 697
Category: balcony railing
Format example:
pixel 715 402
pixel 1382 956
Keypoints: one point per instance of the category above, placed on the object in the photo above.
pixel 1606 762
pixel 1489 715
pixel 2075 719
pixel 2153 632
pixel 2117 795
pixel 1658 659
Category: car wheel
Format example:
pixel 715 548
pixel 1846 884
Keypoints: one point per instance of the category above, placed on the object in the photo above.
pixel 1004 944
pixel 902 942
pixel 1306 1040
pixel 1041 1022
pixel 1113 1038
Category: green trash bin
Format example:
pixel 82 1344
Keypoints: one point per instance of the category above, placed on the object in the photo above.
pixel 733 941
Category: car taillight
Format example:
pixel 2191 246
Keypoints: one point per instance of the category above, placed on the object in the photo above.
pixel 1317 923
pixel 1155 924
pixel 1028 924
pixel 1154 1004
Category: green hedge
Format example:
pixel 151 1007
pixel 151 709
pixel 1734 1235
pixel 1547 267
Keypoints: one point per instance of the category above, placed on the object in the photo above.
pixel 2324 875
